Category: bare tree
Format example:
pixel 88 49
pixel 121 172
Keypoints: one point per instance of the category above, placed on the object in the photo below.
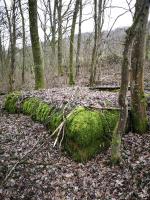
pixel 53 22
pixel 12 35
pixel 123 101
pixel 97 36
pixel 138 101
pixel 79 40
pixel 76 9
pixel 59 12
pixel 36 48
pixel 23 41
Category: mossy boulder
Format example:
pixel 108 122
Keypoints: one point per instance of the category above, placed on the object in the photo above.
pixel 88 132
pixel 11 102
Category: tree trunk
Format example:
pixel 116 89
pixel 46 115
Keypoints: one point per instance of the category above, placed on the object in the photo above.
pixel 12 35
pixel 148 47
pixel 138 101
pixel 71 76
pixel 79 41
pixel 1 56
pixel 13 49
pixel 98 20
pixel 36 48
pixel 23 42
pixel 94 52
pixel 123 101
pixel 59 11
pixel 52 16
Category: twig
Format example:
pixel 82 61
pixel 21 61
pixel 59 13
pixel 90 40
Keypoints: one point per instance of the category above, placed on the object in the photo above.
pixel 61 126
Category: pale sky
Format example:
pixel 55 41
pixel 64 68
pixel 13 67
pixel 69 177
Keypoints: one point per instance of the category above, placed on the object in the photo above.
pixel 118 7
pixel 111 15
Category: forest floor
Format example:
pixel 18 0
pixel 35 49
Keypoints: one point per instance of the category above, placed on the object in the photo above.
pixel 50 174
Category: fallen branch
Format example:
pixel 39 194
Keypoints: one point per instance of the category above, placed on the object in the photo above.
pixel 102 108
pixel 60 127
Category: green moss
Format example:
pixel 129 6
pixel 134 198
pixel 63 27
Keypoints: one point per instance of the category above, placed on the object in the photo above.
pixel 37 109
pixel 139 124
pixel 43 111
pixel 10 102
pixel 30 106
pixel 88 132
pixel 115 147
pixel 55 119
pixel 109 119
pixel 138 114
pixel 80 154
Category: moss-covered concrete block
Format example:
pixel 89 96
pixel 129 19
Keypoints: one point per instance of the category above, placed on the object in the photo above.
pixel 88 132
pixel 55 119
pixel 30 106
pixel 37 109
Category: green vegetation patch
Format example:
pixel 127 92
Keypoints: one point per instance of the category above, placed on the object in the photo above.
pixel 37 109
pixel 55 119
pixel 43 112
pixel 88 132
pixel 30 106
pixel 11 102
pixel 109 121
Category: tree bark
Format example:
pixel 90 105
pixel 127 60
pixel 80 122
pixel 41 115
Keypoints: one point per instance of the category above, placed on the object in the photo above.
pixel 71 76
pixel 23 42
pixel 1 56
pixel 138 101
pixel 98 22
pixel 94 52
pixel 59 11
pixel 79 40
pixel 52 15
pixel 123 101
pixel 36 48
pixel 148 47
pixel 12 35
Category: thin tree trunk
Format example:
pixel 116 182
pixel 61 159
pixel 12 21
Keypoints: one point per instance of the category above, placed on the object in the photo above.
pixel 23 42
pixel 79 40
pixel 94 52
pixel 36 48
pixel 13 48
pixel 148 47
pixel 59 11
pixel 53 25
pixel 123 101
pixel 1 56
pixel 100 21
pixel 138 101
pixel 76 9
pixel 12 34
